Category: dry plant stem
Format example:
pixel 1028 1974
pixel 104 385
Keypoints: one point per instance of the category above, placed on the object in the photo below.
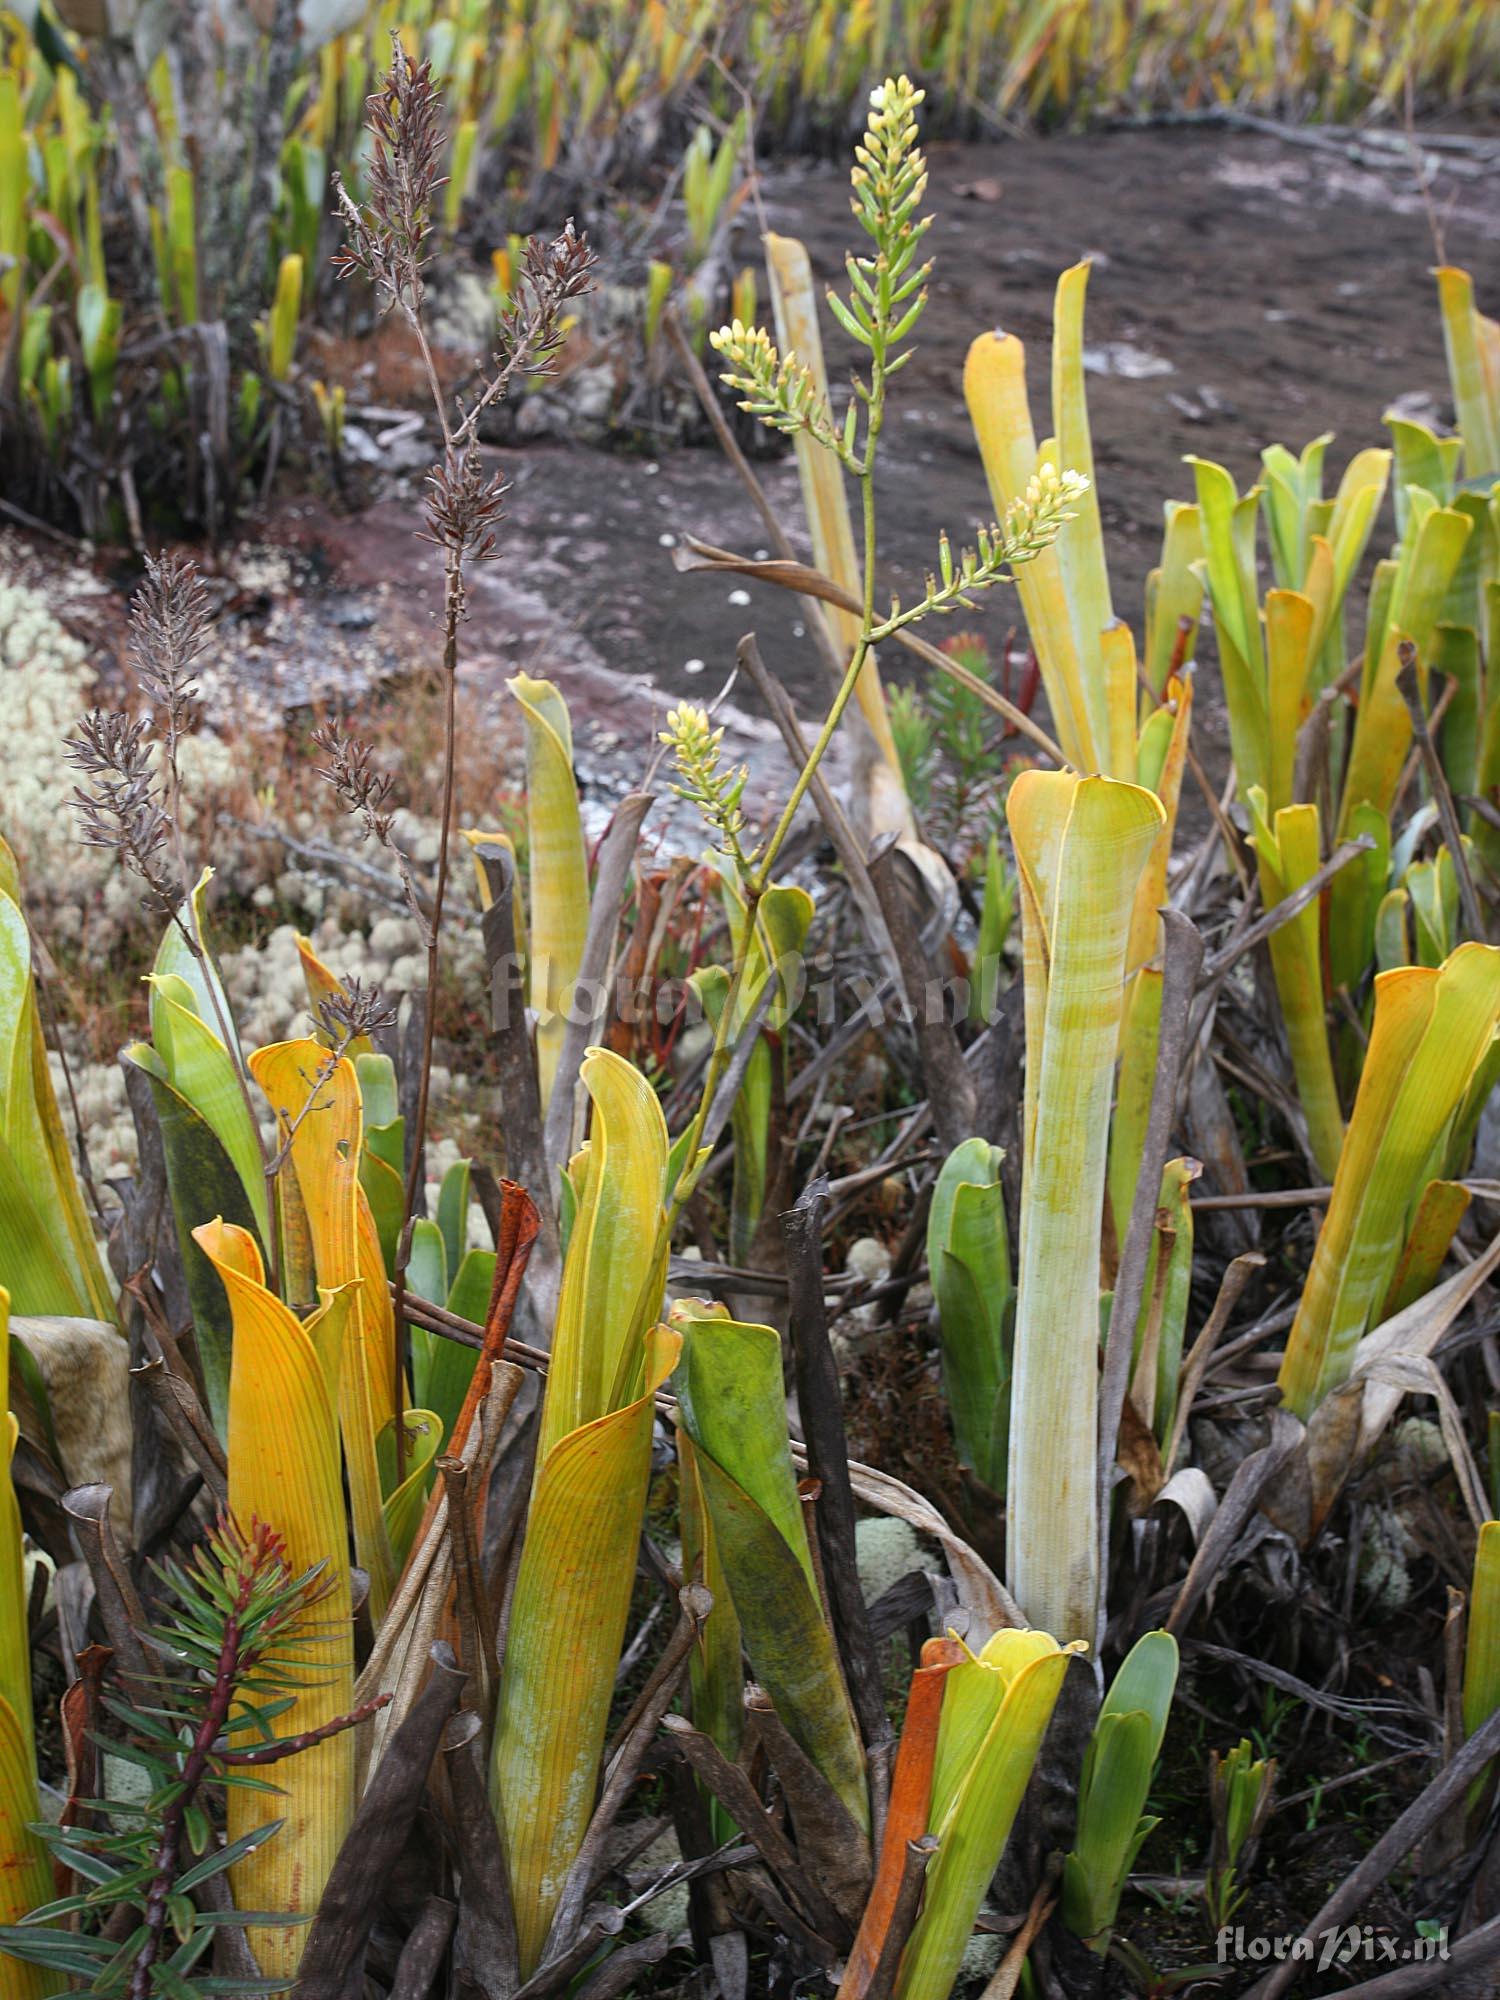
pixel 1480 1948
pixel 201 1447
pixel 919 1854
pixel 832 1846
pixel 1238 1504
pixel 1007 1974
pixel 433 927
pixel 820 1405
pixel 422 1954
pixel 1219 964
pixel 949 1086
pixel 485 1946
pixel 1440 1797
pixel 476 1628
pixel 1413 763
pixel 806 581
pixel 616 857
pixel 1193 1369
pixel 1308 1197
pixel 341 1928
pixel 1228 832
pixel 604 1922
pixel 1442 793
pixel 734 1791
pixel 621 1970
pixel 1182 954
pixel 695 1602
pixel 120 1609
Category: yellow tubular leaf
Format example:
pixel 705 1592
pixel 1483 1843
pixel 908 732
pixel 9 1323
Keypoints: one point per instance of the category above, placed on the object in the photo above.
pixel 1478 415
pixel 1288 856
pixel 283 1446
pixel 1080 546
pixel 1382 727
pixel 1116 648
pixel 557 867
pixel 1290 634
pixel 319 1103
pixel 612 1280
pixel 995 391
pixel 67 1193
pixel 1173 592
pixel 1145 924
pixel 377 1317
pixel 15 1648
pixel 1431 1028
pixel 1443 1206
pixel 567 1623
pixel 1081 846
pixel 25 1874
pixel 1360 493
pixel 824 499
pixel 40 1260
pixel 1320 588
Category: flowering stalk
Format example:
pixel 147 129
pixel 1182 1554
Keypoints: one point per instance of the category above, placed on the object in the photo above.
pixel 387 244
pixel 887 294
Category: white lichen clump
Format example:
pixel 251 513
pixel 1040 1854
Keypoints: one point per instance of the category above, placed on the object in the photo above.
pixel 75 894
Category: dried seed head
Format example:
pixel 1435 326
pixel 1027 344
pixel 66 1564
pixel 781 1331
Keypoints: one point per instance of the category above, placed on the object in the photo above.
pixel 123 810
pixel 534 323
pixel 170 627
pixel 355 1010
pixel 362 790
pixel 463 506
pixel 386 239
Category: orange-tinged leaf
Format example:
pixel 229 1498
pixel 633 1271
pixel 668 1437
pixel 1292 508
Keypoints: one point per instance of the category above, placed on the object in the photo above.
pixel 909 1808
pixel 283 1448
pixel 1431 1028
pixel 1289 854
pixel 558 867
pixel 996 1708
pixel 322 985
pixel 1441 1209
pixel 317 1103
pixel 995 391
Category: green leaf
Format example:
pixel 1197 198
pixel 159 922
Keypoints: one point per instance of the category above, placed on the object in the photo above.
pixel 968 1256
pixel 453 1213
pixel 203 1183
pixel 226 1856
pixel 733 1408
pixel 200 1068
